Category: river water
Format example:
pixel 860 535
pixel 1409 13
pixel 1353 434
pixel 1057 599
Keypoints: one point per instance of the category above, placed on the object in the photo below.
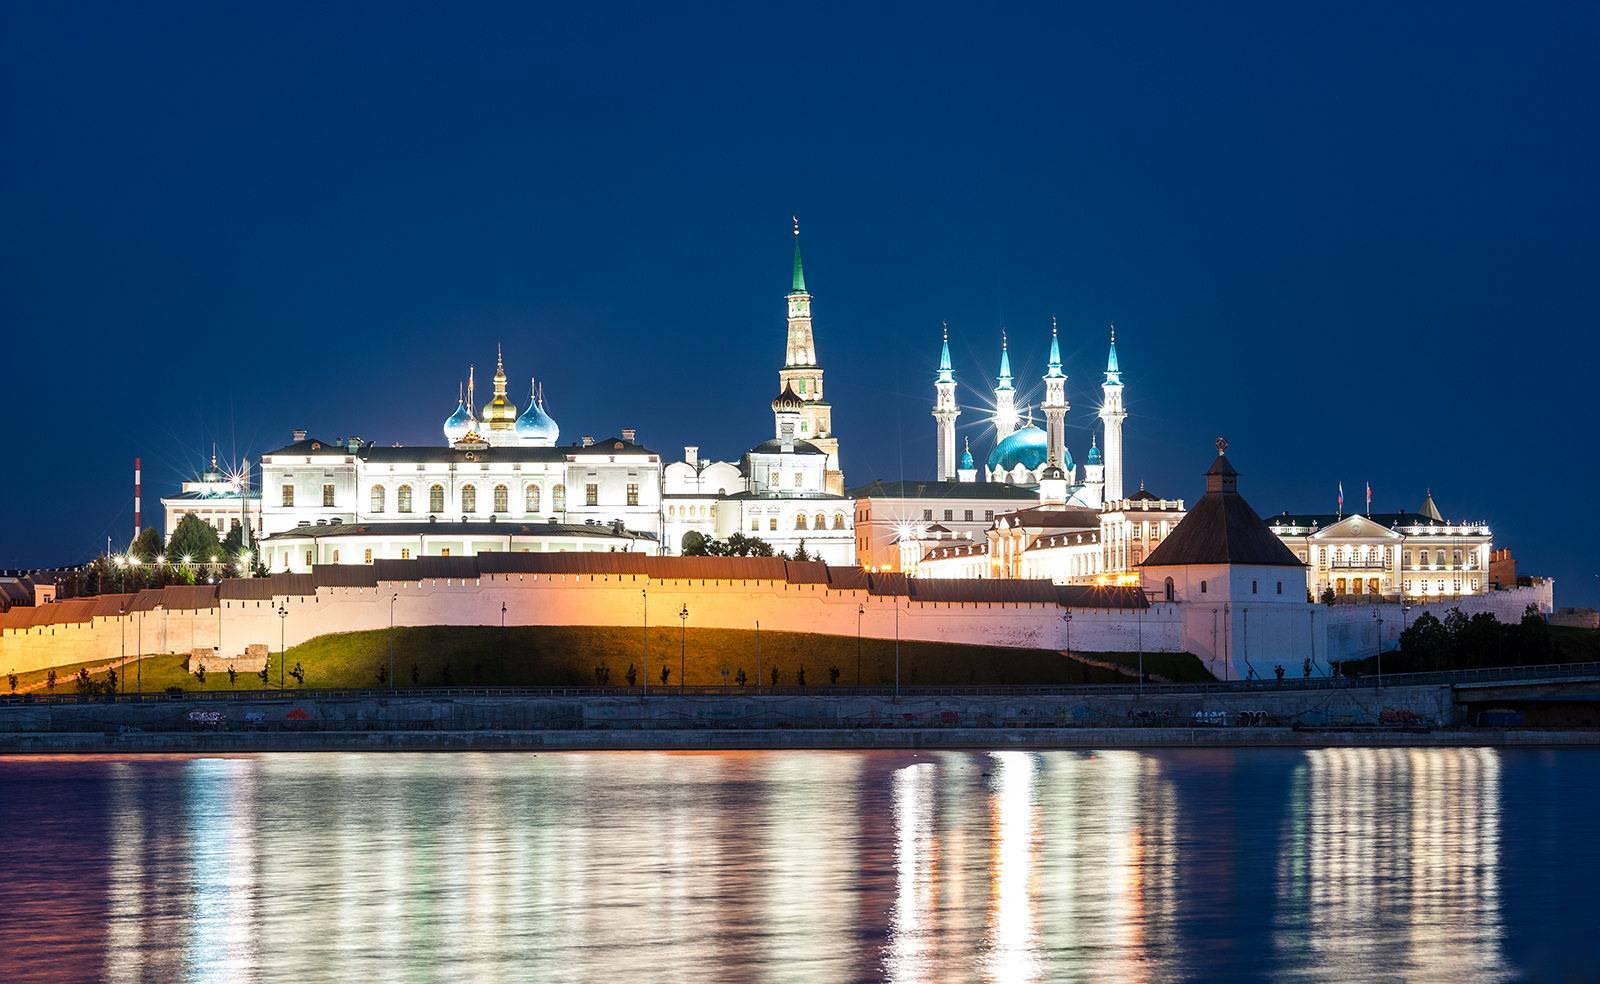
pixel 1336 865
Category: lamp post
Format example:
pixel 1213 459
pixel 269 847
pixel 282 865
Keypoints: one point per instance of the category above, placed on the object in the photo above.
pixel 683 632
pixel 122 620
pixel 283 628
pixel 896 647
pixel 502 616
pixel 1066 617
pixel 644 593
pixel 138 656
pixel 860 611
pixel 1139 618
pixel 392 599
pixel 1377 614
pixel 758 655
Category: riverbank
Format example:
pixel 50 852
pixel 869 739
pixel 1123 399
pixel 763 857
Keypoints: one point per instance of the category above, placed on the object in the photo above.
pixel 234 742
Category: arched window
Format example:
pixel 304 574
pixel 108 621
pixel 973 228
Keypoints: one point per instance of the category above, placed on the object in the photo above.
pixel 1202 587
pixel 533 498
pixel 558 498
pixel 821 522
pixel 1169 589
pixel 379 498
pixel 800 521
pixel 838 520
pixel 502 499
pixel 405 498
pixel 469 498
pixel 436 499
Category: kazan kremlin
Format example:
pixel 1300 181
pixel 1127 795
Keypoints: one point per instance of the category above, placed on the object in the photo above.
pixel 1026 543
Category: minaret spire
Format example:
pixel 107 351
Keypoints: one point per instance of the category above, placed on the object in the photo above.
pixel 1055 407
pixel 1005 395
pixel 945 411
pixel 1111 416
pixel 802 375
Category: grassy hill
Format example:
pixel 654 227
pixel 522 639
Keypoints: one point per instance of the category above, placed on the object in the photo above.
pixel 569 655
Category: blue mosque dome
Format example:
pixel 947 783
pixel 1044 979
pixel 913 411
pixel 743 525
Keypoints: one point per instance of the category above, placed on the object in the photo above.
pixel 1028 447
pixel 1094 454
pixel 966 459
pixel 535 426
pixel 457 424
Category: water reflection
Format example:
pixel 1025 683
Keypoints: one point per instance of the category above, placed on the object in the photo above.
pixel 1004 866
pixel 1391 864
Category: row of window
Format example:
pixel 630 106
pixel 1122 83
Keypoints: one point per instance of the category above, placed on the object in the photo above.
pixel 800 522
pixel 501 498
pixel 1382 556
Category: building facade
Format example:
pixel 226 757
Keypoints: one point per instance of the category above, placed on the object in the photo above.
pixel 1411 556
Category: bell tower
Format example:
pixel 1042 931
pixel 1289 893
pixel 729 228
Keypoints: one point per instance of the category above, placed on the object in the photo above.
pixel 802 374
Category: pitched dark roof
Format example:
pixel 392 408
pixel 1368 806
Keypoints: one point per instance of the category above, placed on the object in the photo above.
pixel 1054 517
pixel 775 446
pixel 1221 529
pixel 927 489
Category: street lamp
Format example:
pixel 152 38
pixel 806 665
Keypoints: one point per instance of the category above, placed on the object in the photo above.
pixel 392 599
pixel 644 593
pixel 860 611
pixel 283 627
pixel 896 647
pixel 502 614
pixel 1378 615
pixel 758 655
pixel 1066 617
pixel 683 632
pixel 138 656
pixel 122 620
pixel 1139 618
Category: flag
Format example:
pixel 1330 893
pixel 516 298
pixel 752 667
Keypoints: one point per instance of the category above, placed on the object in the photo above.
pixel 1341 498
pixel 1369 498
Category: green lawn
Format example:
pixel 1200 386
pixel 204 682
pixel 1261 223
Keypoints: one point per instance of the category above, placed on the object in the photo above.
pixel 569 655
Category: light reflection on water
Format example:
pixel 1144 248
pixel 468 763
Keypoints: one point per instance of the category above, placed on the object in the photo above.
pixel 1332 864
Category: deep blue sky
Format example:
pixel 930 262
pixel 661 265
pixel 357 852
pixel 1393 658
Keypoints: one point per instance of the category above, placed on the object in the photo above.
pixel 1360 242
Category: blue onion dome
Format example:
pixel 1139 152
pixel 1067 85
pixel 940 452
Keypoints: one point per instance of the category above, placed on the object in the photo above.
pixel 1094 455
pixel 1028 447
pixel 966 459
pixel 458 424
pixel 1066 458
pixel 536 426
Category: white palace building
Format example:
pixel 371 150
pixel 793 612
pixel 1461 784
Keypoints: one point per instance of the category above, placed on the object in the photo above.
pixel 501 481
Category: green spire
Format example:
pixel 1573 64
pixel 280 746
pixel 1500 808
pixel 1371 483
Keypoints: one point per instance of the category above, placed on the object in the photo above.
pixel 1005 363
pixel 946 374
pixel 799 269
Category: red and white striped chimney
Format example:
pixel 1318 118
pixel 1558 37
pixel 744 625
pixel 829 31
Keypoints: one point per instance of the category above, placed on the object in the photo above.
pixel 136 498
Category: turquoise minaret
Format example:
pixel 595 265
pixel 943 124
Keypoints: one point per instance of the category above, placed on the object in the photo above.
pixel 945 411
pixel 1055 406
pixel 1005 395
pixel 1112 415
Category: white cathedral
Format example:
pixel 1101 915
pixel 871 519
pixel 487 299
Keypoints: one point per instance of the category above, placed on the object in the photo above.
pixel 1025 455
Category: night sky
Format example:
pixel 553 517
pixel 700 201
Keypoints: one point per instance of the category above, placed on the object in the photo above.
pixel 1360 242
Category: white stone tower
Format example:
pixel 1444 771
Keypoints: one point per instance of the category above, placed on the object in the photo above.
pixel 1111 416
pixel 802 374
pixel 1005 395
pixel 945 411
pixel 1055 405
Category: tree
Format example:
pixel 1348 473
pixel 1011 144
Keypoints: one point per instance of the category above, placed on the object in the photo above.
pixel 233 543
pixel 233 675
pixel 1425 642
pixel 415 676
pixel 694 544
pixel 800 676
pixel 298 674
pixel 147 545
pixel 383 674
pixel 774 676
pixel 739 677
pixel 195 539
pixel 833 675
pixel 800 552
pixel 736 545
pixel 111 680
pixel 85 685
pixel 50 680
pixel 632 675
pixel 666 673
pixel 12 679
pixel 1327 596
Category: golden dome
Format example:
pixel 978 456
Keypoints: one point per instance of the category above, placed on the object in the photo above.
pixel 500 413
